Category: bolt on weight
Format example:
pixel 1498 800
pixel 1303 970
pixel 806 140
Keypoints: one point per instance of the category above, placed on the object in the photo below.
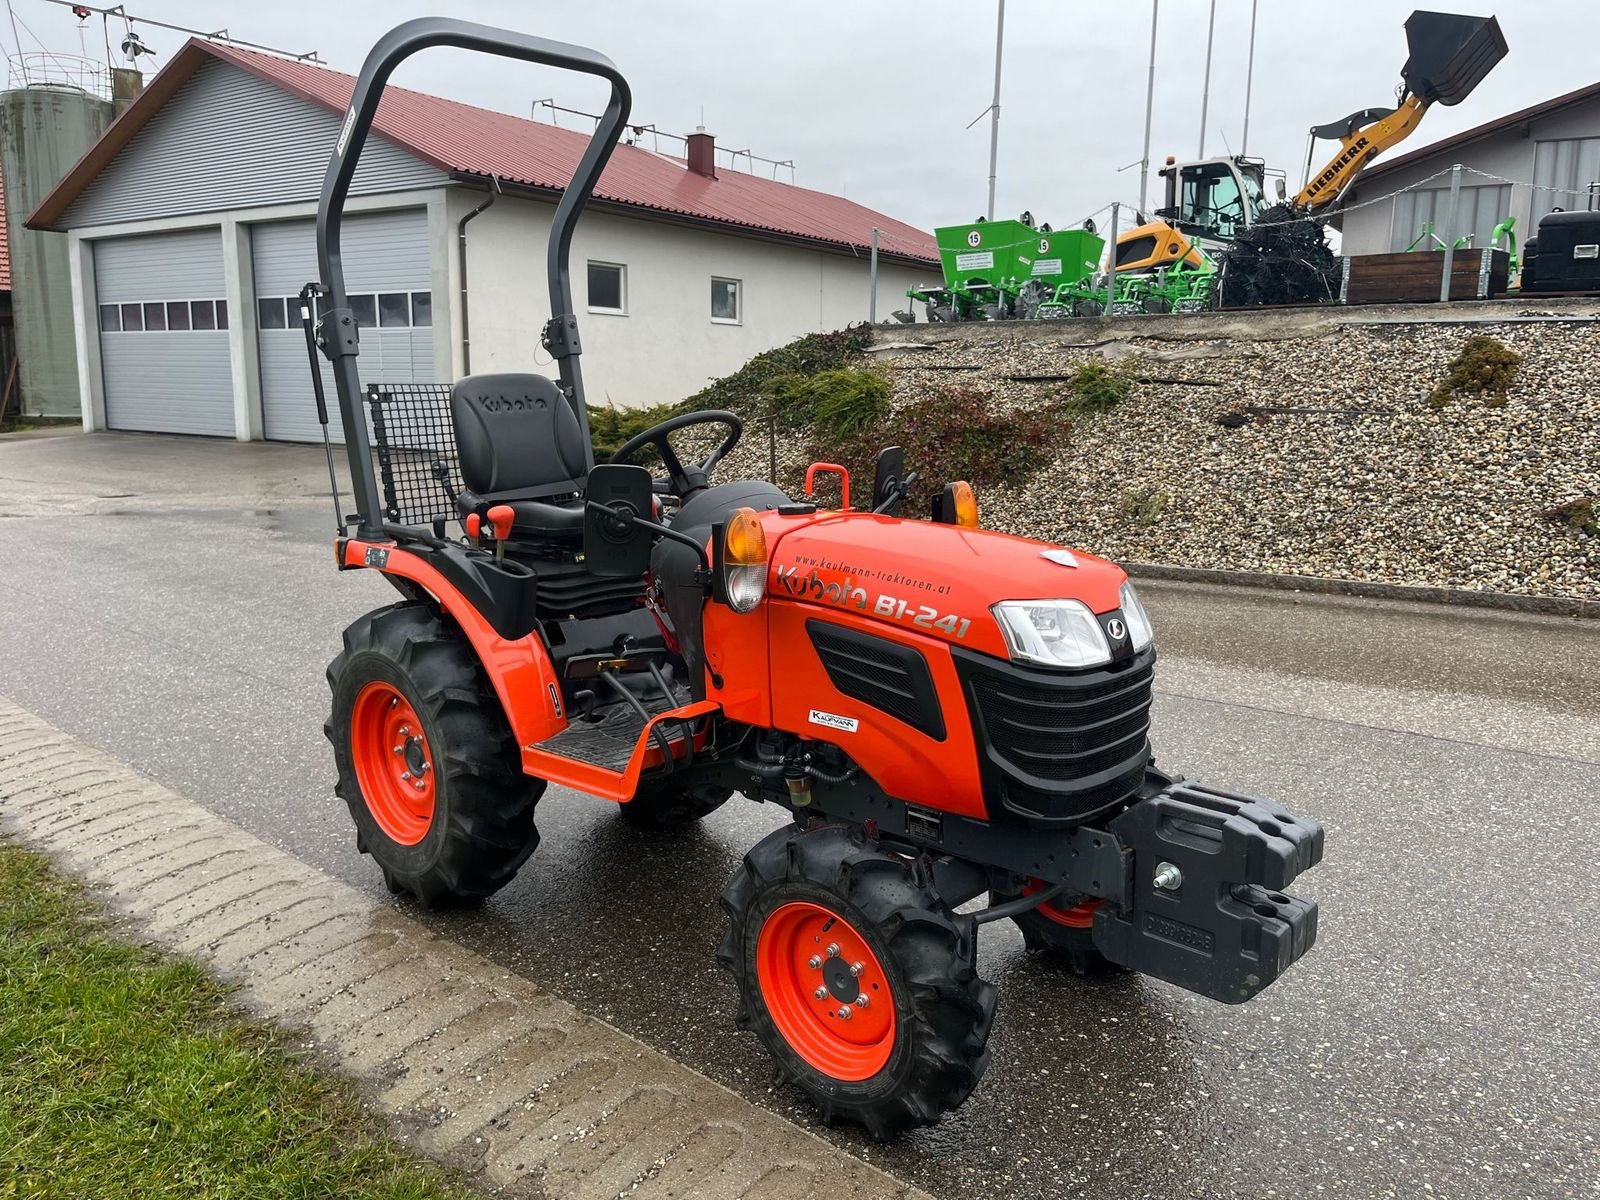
pixel 1168 878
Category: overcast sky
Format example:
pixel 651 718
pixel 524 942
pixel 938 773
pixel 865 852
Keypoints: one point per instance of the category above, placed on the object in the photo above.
pixel 870 98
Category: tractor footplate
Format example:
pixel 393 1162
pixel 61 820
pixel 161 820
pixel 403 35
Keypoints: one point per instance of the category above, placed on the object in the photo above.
pixel 1204 905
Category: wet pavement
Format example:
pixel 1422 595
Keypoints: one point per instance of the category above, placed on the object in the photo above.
pixel 173 602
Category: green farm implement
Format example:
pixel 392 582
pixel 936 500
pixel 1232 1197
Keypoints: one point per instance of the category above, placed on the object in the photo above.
pixel 997 270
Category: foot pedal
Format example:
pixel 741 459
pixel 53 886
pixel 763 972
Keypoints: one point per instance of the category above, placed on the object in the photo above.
pixel 1204 905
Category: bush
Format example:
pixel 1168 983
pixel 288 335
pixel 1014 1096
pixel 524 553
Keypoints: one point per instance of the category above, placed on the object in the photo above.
pixel 1484 367
pixel 845 402
pixel 752 389
pixel 1096 388
pixel 1143 506
pixel 610 427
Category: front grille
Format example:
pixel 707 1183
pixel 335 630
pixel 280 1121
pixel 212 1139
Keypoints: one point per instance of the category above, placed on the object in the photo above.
pixel 1060 747
pixel 884 674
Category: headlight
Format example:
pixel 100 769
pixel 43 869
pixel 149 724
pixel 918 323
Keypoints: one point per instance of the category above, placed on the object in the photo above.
pixel 1055 633
pixel 1140 632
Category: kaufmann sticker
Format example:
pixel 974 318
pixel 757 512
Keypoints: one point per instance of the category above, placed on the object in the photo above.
pixel 981 260
pixel 830 720
pixel 1047 266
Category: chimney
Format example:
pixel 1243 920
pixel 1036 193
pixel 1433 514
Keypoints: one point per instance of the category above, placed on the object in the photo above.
pixel 703 153
pixel 126 84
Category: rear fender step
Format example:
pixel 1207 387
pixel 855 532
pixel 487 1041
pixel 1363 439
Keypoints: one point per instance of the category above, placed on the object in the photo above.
pixel 1204 905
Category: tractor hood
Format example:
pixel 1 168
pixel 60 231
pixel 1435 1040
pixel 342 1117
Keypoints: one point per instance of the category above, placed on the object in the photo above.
pixel 936 579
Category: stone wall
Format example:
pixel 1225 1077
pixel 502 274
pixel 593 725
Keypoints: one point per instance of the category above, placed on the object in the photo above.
pixel 1332 462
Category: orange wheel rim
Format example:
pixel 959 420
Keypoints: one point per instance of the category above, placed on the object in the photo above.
pixel 826 991
pixel 394 766
pixel 1077 916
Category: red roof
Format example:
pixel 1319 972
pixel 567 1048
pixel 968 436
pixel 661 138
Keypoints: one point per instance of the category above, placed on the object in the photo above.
pixel 462 139
pixel 5 244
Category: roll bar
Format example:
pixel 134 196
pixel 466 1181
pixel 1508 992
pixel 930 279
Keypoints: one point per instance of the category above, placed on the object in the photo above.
pixel 339 338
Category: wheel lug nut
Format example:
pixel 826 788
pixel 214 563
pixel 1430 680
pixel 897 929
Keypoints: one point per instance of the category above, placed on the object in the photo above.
pixel 845 1012
pixel 405 731
pixel 815 964
pixel 419 785
pixel 863 1000
pixel 821 993
pixel 856 968
pixel 405 774
pixel 400 749
pixel 833 949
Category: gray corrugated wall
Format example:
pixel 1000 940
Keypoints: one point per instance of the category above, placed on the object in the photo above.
pixel 383 252
pixel 227 139
pixel 172 382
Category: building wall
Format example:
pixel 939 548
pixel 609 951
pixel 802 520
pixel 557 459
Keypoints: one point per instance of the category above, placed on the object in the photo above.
pixel 667 346
pixel 1509 154
pixel 43 131
pixel 227 139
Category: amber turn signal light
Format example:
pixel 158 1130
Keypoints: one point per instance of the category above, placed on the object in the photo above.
pixel 744 560
pixel 957 504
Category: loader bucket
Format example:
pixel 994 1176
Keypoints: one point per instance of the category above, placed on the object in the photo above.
pixel 1450 54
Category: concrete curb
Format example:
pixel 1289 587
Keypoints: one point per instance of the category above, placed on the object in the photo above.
pixel 479 1065
pixel 1555 606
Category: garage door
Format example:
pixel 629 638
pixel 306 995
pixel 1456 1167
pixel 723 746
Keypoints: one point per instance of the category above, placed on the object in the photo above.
pixel 388 277
pixel 163 333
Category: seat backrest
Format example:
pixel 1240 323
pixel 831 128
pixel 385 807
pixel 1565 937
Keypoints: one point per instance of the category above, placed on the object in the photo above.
pixel 517 433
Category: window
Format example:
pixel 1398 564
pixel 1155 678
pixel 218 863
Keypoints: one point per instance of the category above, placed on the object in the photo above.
pixel 164 316
pixel 270 313
pixel 365 310
pixel 1562 174
pixel 725 300
pixel 422 309
pixel 1479 210
pixel 608 291
pixel 394 310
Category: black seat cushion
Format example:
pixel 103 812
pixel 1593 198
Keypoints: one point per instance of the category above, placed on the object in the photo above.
pixel 517 433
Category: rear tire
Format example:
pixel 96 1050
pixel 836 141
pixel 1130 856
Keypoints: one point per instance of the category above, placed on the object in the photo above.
pixel 660 806
pixel 918 1046
pixel 410 706
pixel 1064 934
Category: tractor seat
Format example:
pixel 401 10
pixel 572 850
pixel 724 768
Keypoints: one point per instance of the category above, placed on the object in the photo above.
pixel 519 442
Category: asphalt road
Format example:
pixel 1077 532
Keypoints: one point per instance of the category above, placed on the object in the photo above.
pixel 173 602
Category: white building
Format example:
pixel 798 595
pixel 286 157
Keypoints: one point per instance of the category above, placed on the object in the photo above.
pixel 189 228
pixel 1524 164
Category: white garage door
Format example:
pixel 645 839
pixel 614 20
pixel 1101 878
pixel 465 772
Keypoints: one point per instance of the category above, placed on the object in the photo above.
pixel 388 277
pixel 163 333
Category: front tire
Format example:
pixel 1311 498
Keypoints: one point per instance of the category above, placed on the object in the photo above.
pixel 427 764
pixel 898 1035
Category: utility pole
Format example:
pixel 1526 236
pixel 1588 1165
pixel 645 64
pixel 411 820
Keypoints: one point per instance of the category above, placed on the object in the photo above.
pixel 1205 93
pixel 1249 77
pixel 1149 103
pixel 994 108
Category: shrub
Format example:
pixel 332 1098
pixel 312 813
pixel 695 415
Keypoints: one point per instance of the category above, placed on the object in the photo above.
pixel 848 401
pixel 750 390
pixel 1483 367
pixel 1143 506
pixel 610 427
pixel 1096 388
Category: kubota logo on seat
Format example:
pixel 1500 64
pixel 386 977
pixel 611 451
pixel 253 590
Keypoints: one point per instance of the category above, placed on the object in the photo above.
pixel 512 403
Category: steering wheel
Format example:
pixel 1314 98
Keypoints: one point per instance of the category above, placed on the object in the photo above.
pixel 683 481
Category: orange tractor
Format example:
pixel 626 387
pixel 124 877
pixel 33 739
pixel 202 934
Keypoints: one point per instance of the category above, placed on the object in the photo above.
pixel 946 712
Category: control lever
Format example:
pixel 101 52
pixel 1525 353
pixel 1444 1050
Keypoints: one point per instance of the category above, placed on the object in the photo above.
pixel 500 518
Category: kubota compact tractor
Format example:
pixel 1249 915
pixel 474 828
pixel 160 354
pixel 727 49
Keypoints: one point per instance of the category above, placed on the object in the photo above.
pixel 946 711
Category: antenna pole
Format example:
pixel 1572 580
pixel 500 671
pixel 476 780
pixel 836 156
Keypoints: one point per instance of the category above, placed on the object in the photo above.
pixel 994 108
pixel 1149 107
pixel 1205 91
pixel 1249 78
